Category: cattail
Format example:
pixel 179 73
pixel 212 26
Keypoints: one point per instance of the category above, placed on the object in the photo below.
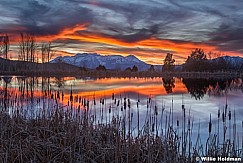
pixel 58 95
pixel 229 115
pixel 115 101
pixel 94 101
pixel 79 100
pixel 125 104
pixel 137 104
pixel 118 102
pixel 121 108
pixel 183 106
pixel 129 103
pixel 87 104
pixel 177 123
pixel 109 109
pixel 223 117
pixel 156 110
pixel 210 125
pixel 149 99
pixel 71 95
pixel 84 102
pixel 113 96
pixel 218 113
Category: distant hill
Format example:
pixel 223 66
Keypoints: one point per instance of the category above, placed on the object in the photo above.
pixel 224 63
pixel 93 60
pixel 73 64
pixel 23 67
pixel 232 62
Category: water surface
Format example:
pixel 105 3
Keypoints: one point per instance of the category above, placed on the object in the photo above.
pixel 153 100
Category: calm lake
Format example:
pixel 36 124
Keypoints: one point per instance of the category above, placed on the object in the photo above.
pixel 149 99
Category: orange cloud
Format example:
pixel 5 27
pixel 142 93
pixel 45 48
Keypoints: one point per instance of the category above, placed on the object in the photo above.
pixel 64 33
pixel 181 49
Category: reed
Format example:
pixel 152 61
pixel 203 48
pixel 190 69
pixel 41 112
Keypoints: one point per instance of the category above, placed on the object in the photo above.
pixel 45 129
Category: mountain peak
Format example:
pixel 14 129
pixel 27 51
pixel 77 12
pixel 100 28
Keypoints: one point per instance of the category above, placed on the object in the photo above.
pixel 131 56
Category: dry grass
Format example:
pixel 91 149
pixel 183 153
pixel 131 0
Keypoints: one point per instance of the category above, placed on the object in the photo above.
pixel 63 139
pixel 72 133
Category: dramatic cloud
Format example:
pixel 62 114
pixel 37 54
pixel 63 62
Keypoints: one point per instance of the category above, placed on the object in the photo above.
pixel 147 29
pixel 228 37
pixel 44 17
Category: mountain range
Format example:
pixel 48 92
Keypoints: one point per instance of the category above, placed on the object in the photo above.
pixel 118 62
pixel 93 60
pixel 233 62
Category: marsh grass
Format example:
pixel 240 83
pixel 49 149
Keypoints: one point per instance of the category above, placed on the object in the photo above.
pixel 44 129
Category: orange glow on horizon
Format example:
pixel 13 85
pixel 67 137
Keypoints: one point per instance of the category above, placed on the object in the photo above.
pixel 182 49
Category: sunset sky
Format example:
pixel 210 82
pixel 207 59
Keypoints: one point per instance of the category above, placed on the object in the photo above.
pixel 147 29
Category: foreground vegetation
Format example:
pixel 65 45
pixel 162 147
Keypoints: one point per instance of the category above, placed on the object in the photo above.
pixel 68 140
pixel 46 129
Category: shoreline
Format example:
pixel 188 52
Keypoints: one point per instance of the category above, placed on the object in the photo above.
pixel 112 73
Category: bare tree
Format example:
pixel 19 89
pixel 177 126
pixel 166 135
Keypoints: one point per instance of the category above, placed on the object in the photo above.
pixel 212 55
pixel 27 47
pixel 33 47
pixel 46 52
pixel 4 46
pixel 21 48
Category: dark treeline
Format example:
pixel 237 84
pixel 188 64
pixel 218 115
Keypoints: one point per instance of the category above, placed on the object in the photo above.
pixel 199 61
pixel 198 87
pixel 10 67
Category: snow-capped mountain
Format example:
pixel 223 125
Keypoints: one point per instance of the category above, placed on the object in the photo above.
pixel 237 61
pixel 92 60
pixel 233 62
